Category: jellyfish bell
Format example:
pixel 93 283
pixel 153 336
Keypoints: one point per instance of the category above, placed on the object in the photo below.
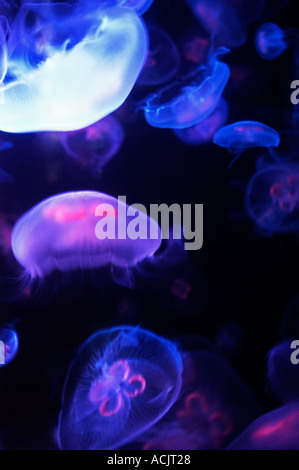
pixel 204 131
pixel 163 59
pixel 122 381
pixel 243 135
pixel 272 198
pixel 182 105
pixel 83 229
pixel 95 145
pixel 79 81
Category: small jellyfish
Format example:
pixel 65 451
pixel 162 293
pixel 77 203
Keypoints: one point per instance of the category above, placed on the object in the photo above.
pixel 178 106
pixel 122 381
pixel 243 135
pixel 272 198
pixel 163 59
pixel 139 6
pixel 9 345
pixel 95 145
pixel 82 69
pixel 270 41
pixel 226 20
pixel 204 131
pixel 83 229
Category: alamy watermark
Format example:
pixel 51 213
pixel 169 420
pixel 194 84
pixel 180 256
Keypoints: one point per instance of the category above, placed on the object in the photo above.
pixel 186 222
pixel 295 93
pixel 295 354
pixel 2 353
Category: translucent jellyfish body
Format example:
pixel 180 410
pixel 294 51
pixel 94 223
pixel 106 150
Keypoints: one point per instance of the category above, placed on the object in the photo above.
pixel 204 131
pixel 72 69
pixel 246 134
pixel 277 430
pixel 163 59
pixel 269 41
pixel 122 381
pixel 139 6
pixel 94 146
pixel 9 345
pixel 214 407
pixel 226 19
pixel 183 105
pixel 272 198
pixel 83 229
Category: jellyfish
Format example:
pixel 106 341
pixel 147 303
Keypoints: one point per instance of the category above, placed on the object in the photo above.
pixel 271 41
pixel 277 430
pixel 9 345
pixel 204 131
pixel 69 70
pixel 83 229
pixel 163 59
pixel 272 198
pixel 139 6
pixel 96 145
pixel 122 381
pixel 226 19
pixel 243 135
pixel 178 106
pixel 213 408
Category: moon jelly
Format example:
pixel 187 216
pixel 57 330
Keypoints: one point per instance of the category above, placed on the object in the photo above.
pixel 163 59
pixel 84 67
pixel 246 134
pixel 213 408
pixel 277 430
pixel 226 19
pixel 9 345
pixel 272 198
pixel 204 131
pixel 139 6
pixel 64 232
pixel 269 41
pixel 180 106
pixel 95 145
pixel 122 381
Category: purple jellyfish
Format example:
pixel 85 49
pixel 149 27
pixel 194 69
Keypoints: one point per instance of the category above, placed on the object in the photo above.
pixel 122 381
pixel 83 229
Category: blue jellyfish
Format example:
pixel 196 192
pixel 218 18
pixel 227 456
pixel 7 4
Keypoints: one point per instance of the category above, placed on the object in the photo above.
pixel 9 345
pixel 179 106
pixel 242 135
pixel 122 381
pixel 204 131
pixel 163 59
pixel 272 198
pixel 270 41
pixel 83 229
pixel 96 145
pixel 139 6
pixel 226 20
pixel 79 69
